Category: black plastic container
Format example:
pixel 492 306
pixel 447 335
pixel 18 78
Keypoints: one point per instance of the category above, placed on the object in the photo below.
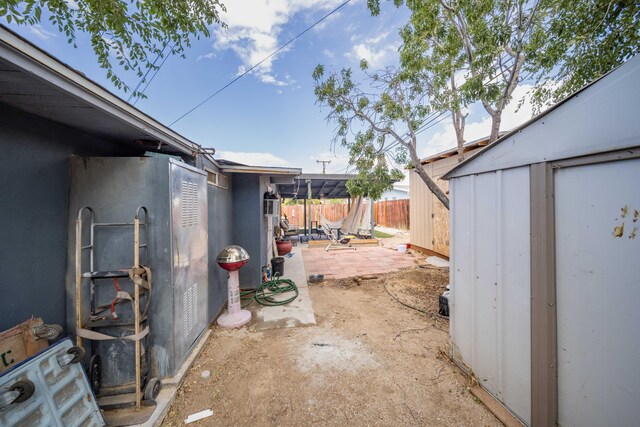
pixel 277 266
pixel 443 301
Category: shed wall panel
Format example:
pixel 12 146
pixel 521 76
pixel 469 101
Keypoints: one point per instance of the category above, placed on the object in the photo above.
pixel 598 290
pixel 514 291
pixel 490 289
pixel 484 282
pixel 460 269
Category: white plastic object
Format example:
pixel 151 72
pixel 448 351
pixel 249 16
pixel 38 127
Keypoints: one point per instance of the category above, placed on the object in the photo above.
pixel 402 248
pixel 198 416
pixel 235 316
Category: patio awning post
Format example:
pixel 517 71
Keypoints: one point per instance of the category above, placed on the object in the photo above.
pixel 309 195
pixel 373 217
pixel 305 214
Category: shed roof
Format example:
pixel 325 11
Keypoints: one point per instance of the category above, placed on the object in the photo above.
pixel 468 146
pixel 330 186
pixel 601 117
pixel 34 81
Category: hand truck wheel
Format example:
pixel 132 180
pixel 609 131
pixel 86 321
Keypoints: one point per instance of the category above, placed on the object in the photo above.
pixel 26 389
pixel 152 389
pixel 95 373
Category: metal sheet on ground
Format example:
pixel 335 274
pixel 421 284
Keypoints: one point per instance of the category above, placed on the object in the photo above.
pixel 61 396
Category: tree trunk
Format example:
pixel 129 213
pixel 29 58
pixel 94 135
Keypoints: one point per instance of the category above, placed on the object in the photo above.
pixel 458 125
pixel 496 119
pixel 433 187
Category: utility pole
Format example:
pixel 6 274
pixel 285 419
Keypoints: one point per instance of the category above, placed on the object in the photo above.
pixel 324 165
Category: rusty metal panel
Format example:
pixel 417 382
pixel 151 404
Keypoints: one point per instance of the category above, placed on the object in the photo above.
pixel 61 396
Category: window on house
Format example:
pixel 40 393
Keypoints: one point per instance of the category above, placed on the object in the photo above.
pixel 223 181
pixel 217 179
pixel 212 177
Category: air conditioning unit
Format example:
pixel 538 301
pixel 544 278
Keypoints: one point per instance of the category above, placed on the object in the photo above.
pixel 271 207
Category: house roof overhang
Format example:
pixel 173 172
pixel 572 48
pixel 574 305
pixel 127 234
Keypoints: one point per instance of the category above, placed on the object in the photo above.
pixel 276 175
pixel 33 81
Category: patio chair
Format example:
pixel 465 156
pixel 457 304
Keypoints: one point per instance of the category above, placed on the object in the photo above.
pixel 289 229
pixel 336 242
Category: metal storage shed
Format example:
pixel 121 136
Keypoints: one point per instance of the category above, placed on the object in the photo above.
pixel 545 287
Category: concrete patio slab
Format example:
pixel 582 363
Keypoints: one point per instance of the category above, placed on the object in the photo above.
pixel 364 260
pixel 299 312
pixel 437 261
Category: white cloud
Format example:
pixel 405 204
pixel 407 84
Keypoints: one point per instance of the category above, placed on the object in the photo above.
pixel 254 32
pixel 376 52
pixel 253 159
pixel 209 55
pixel 446 137
pixel 328 53
pixel 41 33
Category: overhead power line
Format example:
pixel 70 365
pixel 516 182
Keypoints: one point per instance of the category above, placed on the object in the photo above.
pixel 133 92
pixel 259 63
pixel 151 79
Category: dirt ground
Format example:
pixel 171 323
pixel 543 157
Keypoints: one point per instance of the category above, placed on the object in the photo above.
pixel 369 361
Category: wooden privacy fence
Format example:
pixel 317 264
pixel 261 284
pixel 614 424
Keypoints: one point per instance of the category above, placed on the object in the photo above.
pixel 390 213
pixel 295 213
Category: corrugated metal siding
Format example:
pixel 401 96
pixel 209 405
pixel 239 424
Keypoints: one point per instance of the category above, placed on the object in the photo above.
pixel 490 310
pixel 597 294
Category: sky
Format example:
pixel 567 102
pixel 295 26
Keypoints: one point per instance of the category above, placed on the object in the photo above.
pixel 270 116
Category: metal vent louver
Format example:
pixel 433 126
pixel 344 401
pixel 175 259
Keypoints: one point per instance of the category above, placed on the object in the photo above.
pixel 189 212
pixel 190 309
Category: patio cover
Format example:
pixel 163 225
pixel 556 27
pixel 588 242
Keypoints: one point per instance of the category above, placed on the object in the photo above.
pixel 329 186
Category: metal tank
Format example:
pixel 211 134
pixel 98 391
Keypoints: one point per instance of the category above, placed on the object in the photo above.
pixel 175 195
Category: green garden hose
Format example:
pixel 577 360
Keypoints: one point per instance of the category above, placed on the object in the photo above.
pixel 267 293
